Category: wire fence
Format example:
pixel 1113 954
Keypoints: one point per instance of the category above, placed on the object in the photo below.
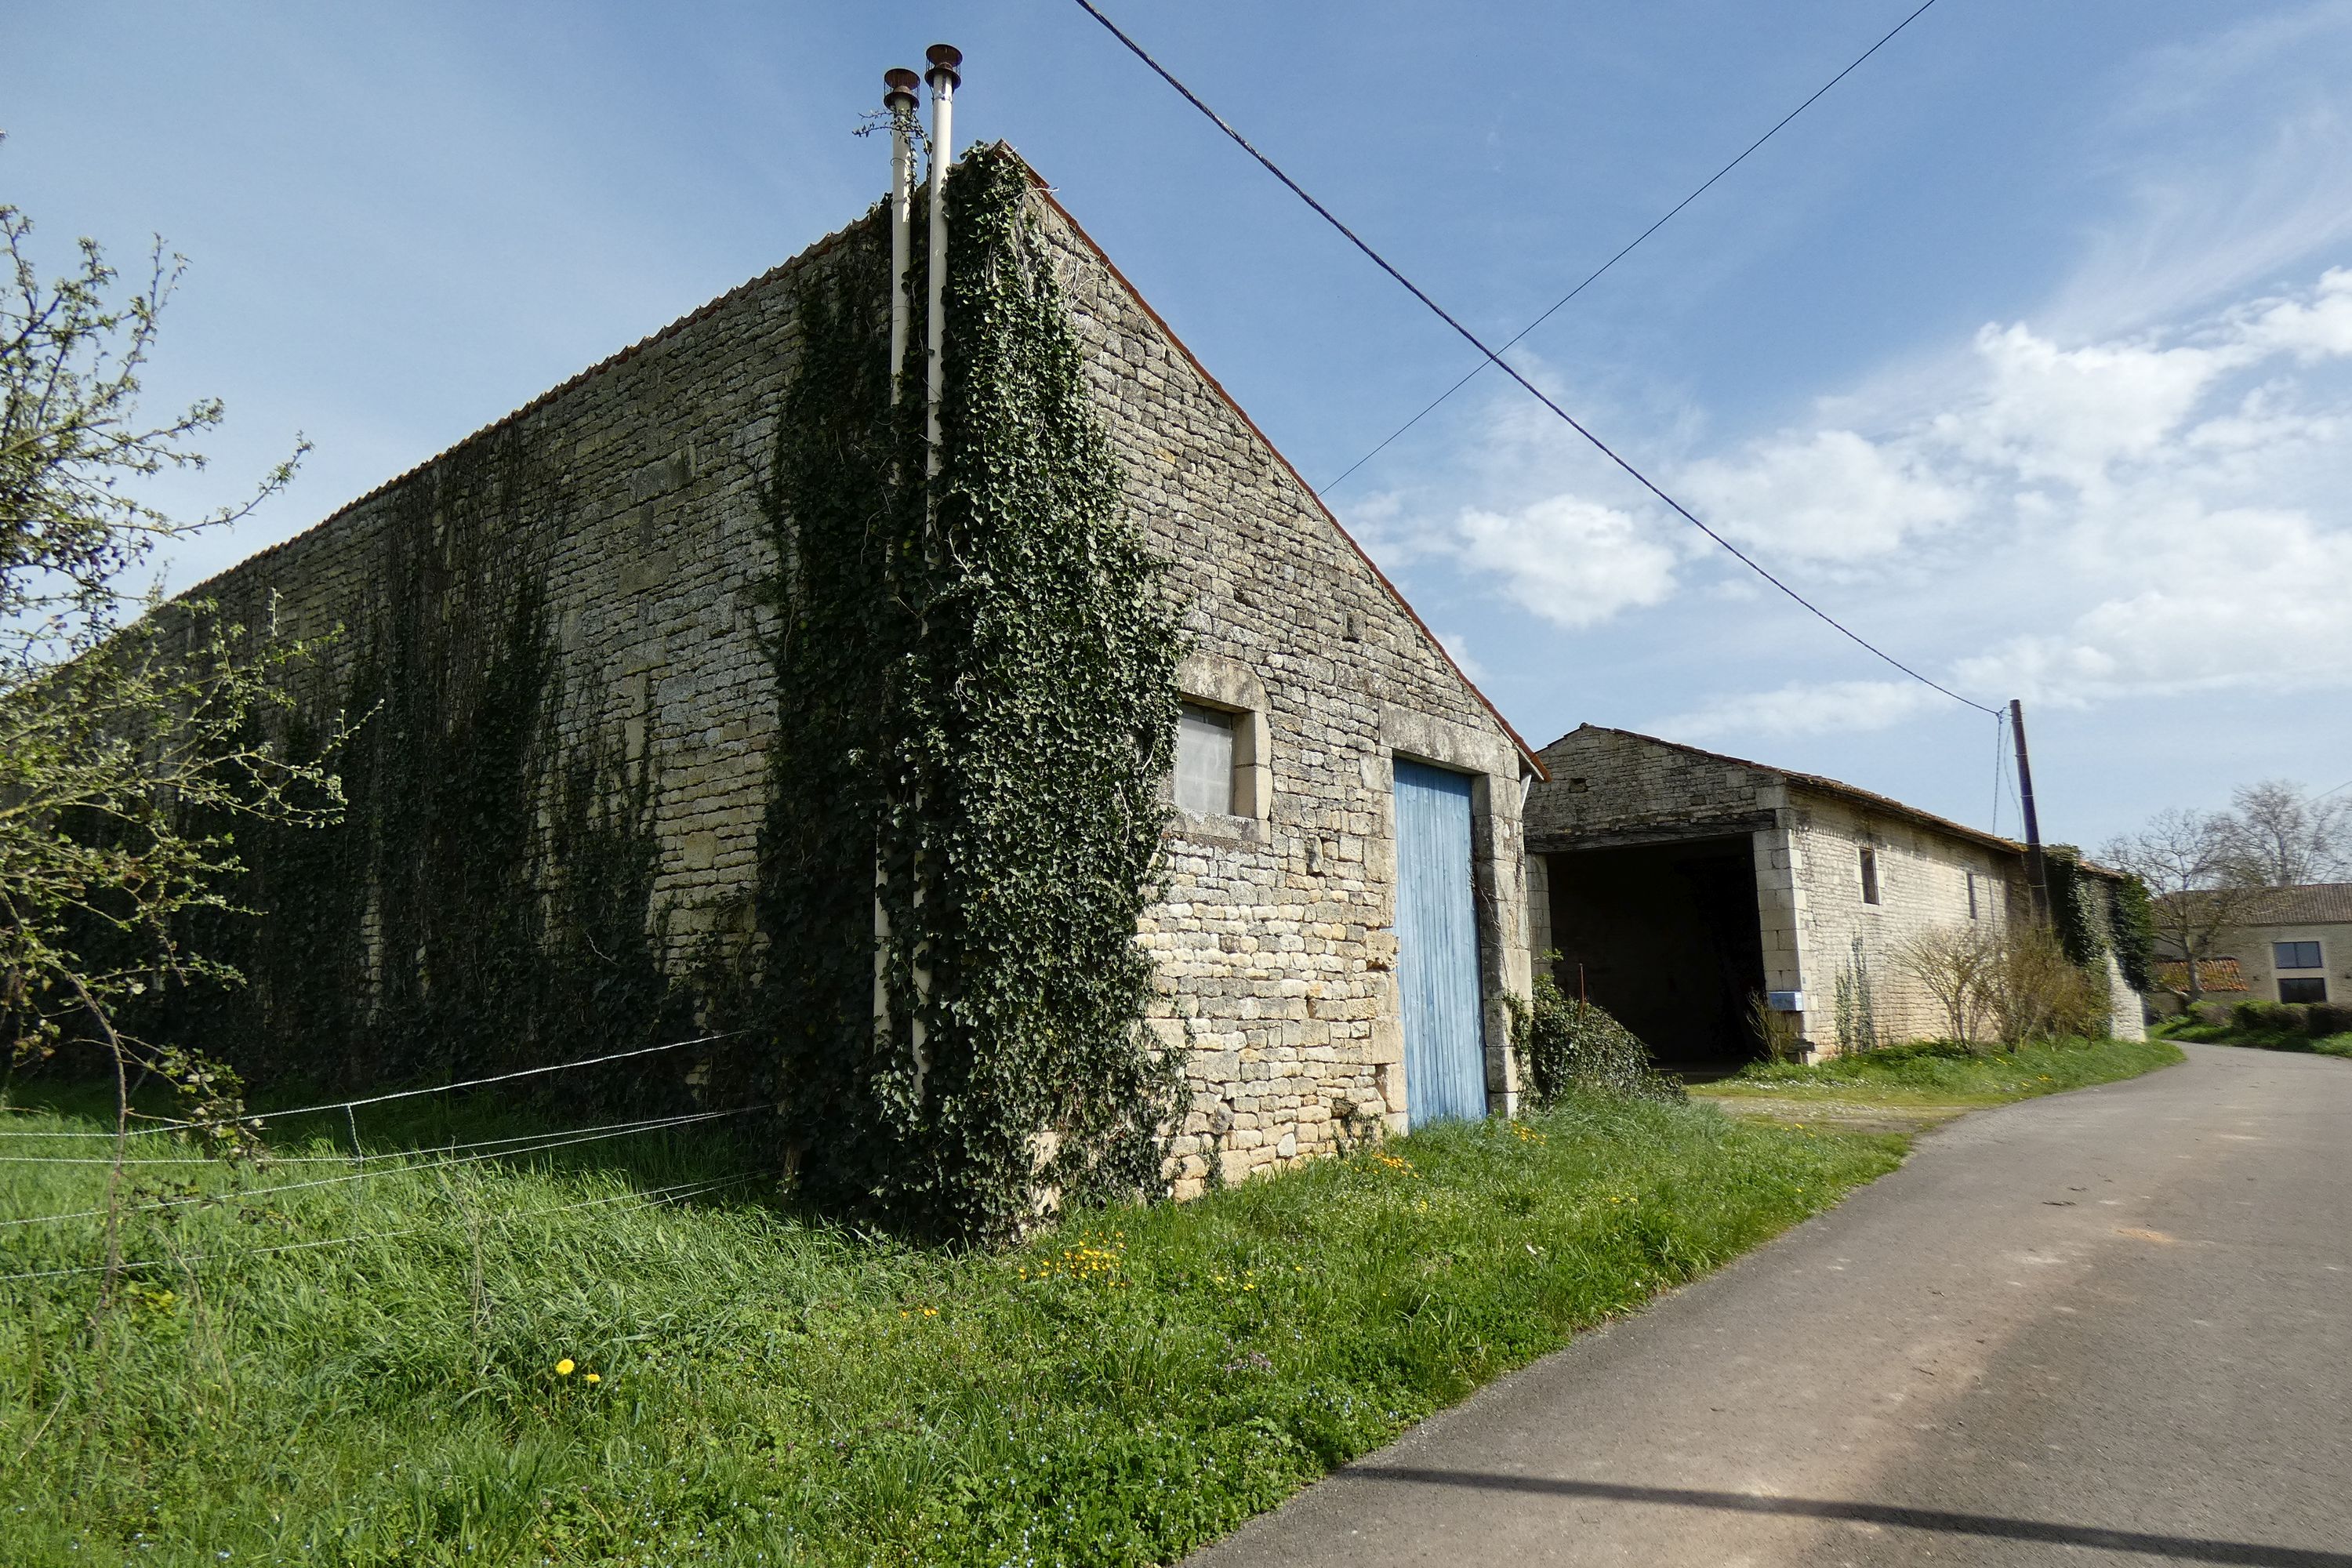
pixel 391 1165
pixel 258 1118
pixel 649 1197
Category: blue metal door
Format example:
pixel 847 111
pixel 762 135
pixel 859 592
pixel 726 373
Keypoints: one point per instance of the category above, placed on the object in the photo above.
pixel 1437 947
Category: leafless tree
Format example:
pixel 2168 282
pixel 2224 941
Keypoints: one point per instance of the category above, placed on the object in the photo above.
pixel 2196 878
pixel 1961 966
pixel 2281 837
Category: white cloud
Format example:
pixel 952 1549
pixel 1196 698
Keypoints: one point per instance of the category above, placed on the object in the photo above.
pixel 2312 329
pixel 1830 495
pixel 1802 708
pixel 1573 561
pixel 2049 413
pixel 2169 513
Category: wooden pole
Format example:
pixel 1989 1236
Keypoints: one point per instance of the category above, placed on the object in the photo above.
pixel 2037 870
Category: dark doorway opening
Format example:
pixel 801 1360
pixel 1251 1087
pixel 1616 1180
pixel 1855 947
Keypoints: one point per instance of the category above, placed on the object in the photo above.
pixel 1665 936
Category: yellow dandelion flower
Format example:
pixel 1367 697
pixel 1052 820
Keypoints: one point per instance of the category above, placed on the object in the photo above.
pixel 563 1367
pixel 592 1377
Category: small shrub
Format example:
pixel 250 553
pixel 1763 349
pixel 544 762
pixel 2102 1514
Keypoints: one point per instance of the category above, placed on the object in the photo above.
pixel 1574 1046
pixel 1961 966
pixel 2041 995
pixel 2325 1018
pixel 2212 1014
pixel 1775 1032
pixel 2273 1018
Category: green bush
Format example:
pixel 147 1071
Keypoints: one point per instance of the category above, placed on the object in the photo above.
pixel 1575 1046
pixel 2273 1018
pixel 2325 1018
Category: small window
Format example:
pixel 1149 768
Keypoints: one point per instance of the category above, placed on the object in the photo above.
pixel 1870 876
pixel 1972 895
pixel 1204 760
pixel 2308 989
pixel 2295 955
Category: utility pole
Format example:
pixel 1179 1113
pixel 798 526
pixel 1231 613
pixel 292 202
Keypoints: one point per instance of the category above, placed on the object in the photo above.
pixel 2037 871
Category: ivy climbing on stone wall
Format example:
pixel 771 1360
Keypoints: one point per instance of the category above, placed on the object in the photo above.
pixel 487 902
pixel 976 679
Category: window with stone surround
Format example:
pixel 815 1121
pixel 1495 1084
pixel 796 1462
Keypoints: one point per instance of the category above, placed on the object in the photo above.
pixel 2304 988
pixel 1869 876
pixel 1204 760
pixel 2295 955
pixel 1224 749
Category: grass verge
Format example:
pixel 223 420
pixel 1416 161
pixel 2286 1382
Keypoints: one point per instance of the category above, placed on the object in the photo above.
pixel 745 1386
pixel 1913 1086
pixel 2230 1034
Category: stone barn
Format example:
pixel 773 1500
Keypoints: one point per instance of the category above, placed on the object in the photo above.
pixel 1676 884
pixel 583 758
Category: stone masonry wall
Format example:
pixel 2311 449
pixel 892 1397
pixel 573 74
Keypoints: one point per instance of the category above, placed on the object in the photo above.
pixel 1923 878
pixel 1275 944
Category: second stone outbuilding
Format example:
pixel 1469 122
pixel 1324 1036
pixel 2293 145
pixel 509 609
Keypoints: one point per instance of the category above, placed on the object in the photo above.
pixel 1678 884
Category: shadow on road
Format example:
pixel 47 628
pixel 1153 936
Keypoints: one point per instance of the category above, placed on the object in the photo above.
pixel 2183 1549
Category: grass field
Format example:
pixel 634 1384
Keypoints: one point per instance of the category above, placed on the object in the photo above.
pixel 586 1356
pixel 1919 1085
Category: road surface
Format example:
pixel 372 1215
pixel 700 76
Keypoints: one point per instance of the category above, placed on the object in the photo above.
pixel 2107 1327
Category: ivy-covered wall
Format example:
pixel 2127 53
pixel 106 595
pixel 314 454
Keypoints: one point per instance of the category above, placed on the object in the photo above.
pixel 669 674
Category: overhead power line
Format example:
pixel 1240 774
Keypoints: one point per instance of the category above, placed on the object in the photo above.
pixel 1593 276
pixel 1508 369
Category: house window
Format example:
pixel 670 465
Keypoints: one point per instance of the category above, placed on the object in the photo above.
pixel 1204 760
pixel 2295 955
pixel 2310 988
pixel 1870 876
pixel 1972 895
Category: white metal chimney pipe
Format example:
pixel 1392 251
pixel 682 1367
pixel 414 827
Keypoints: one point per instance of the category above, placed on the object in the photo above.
pixel 944 79
pixel 899 98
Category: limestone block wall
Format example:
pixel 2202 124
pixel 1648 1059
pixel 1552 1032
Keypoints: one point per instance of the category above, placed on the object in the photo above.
pixel 1277 945
pixel 1923 883
pixel 633 493
pixel 1610 785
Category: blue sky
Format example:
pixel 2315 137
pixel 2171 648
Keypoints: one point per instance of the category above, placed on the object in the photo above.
pixel 2027 351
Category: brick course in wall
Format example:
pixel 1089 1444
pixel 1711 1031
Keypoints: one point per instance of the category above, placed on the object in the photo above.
pixel 1275 945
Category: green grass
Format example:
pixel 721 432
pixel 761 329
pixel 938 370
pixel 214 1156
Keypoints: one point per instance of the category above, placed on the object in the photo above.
pixel 2183 1029
pixel 1124 1388
pixel 1941 1073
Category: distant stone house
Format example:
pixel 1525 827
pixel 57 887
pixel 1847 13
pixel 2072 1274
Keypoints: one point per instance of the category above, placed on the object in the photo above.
pixel 1344 910
pixel 2290 944
pixel 1677 883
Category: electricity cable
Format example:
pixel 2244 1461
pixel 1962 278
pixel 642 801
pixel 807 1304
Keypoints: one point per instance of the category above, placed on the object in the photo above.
pixel 652 1197
pixel 1592 276
pixel 1508 369
pixel 397 1094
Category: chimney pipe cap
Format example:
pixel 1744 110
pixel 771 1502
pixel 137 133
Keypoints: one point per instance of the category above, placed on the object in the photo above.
pixel 899 78
pixel 944 58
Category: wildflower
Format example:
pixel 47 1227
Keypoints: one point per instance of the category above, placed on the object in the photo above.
pixel 592 1378
pixel 563 1367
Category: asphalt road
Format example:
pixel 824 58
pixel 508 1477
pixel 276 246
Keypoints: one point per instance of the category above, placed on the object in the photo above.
pixel 2107 1327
